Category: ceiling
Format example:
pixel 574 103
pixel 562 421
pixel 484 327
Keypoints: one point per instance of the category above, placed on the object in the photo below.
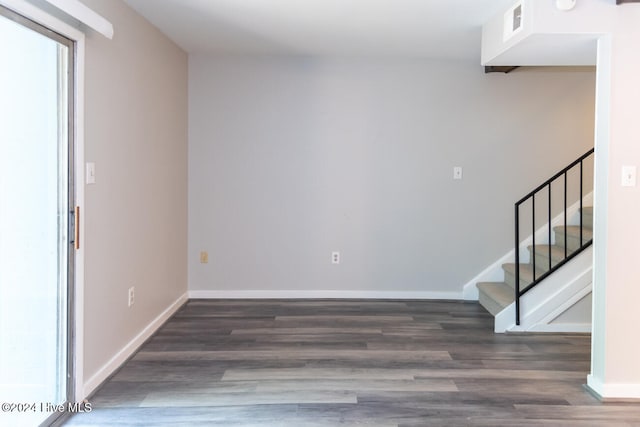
pixel 443 29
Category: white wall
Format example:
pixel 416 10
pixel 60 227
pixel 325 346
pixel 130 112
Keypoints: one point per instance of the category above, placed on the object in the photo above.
pixel 290 159
pixel 136 213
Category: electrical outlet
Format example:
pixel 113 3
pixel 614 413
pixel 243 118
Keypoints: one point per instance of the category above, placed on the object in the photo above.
pixel 335 257
pixel 132 295
pixel 204 257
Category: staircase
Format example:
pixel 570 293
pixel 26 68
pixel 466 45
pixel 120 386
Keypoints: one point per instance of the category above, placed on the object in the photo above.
pixel 496 296
pixel 564 251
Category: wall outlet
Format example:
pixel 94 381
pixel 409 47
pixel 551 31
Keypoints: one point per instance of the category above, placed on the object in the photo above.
pixel 132 295
pixel 335 257
pixel 204 257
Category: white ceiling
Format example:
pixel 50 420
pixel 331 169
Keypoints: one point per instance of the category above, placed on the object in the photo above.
pixel 410 28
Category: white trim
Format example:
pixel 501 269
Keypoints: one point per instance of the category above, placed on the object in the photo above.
pixel 35 14
pixel 128 350
pixel 613 391
pixel 585 277
pixel 296 294
pixel 73 8
pixel 600 357
pixel 595 385
pixel 558 328
pixel 552 297
pixel 85 15
pixel 495 273
pixel 80 201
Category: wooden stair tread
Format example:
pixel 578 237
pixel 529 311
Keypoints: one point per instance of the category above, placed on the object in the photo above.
pixel 557 252
pixel 574 231
pixel 499 293
pixel 526 271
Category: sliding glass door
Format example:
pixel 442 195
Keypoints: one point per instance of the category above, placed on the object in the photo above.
pixel 36 228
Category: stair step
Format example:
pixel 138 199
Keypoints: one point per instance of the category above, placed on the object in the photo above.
pixel 495 296
pixel 542 256
pixel 573 236
pixel 526 274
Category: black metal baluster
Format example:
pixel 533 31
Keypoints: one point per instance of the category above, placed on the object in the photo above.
pixel 517 287
pixel 533 234
pixel 565 215
pixel 580 203
pixel 549 225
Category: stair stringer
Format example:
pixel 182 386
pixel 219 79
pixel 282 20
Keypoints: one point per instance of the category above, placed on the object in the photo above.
pixel 495 273
pixel 551 298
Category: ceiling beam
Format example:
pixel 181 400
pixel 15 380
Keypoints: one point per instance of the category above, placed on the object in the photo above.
pixel 499 69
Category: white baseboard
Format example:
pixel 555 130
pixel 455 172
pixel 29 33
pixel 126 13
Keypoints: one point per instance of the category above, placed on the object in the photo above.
pixel 322 294
pixel 116 361
pixel 558 328
pixel 613 391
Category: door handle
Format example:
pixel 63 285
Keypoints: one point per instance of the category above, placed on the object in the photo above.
pixel 76 231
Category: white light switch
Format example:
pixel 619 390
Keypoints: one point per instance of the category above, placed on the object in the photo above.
pixel 628 176
pixel 457 172
pixel 91 173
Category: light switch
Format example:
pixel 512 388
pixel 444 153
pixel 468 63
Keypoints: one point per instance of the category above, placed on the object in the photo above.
pixel 457 172
pixel 628 176
pixel 91 173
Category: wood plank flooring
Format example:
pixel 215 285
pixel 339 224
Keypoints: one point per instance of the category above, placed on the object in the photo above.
pixel 327 363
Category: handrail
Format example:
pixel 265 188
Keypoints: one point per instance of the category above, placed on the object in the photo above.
pixel 567 257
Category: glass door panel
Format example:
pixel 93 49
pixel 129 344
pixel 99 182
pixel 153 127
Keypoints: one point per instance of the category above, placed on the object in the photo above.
pixel 34 229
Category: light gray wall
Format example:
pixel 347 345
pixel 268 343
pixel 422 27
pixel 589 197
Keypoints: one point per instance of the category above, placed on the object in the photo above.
pixel 136 215
pixel 579 313
pixel 292 158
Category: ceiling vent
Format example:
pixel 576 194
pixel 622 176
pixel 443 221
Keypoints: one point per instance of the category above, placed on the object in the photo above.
pixel 513 20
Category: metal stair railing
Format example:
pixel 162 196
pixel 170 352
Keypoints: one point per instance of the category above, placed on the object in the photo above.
pixel 567 256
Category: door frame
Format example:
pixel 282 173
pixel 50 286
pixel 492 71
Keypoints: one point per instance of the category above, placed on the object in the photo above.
pixel 75 332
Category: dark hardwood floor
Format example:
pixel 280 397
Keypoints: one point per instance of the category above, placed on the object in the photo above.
pixel 350 363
